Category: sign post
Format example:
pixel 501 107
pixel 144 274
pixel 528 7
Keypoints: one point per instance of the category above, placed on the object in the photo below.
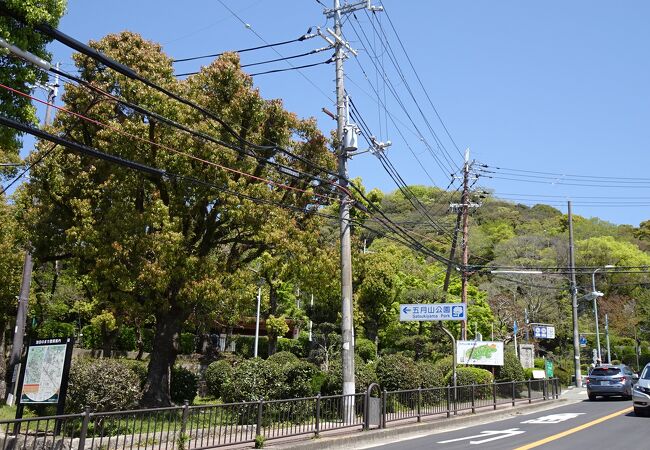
pixel 44 375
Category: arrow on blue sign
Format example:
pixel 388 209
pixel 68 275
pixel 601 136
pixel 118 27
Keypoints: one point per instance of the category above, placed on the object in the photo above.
pixel 406 310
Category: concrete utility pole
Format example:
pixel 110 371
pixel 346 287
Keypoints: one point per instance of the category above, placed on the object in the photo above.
pixel 609 355
pixel 574 302
pixel 347 329
pixel 464 243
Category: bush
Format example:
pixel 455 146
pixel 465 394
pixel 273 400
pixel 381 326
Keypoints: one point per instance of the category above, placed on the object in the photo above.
pixel 183 385
pixel 301 379
pixel 102 384
pixel 511 369
pixel 91 338
pixel 431 378
pixel 282 359
pixel 396 372
pixel 364 375
pixel 528 373
pixel 244 346
pixel 217 375
pixel 126 340
pixel 442 368
pixel 54 329
pixel 140 369
pixel 366 349
pixel 254 379
pixel 294 346
pixel 539 363
pixel 187 343
pixel 466 376
pixel 563 375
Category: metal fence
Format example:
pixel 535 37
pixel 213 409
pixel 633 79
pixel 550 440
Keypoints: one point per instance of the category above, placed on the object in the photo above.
pixel 210 426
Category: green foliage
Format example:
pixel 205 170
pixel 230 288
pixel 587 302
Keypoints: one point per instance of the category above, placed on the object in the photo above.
pixel 396 372
pixel 296 346
pixel 217 375
pixel 259 441
pixel 539 363
pixel 282 359
pixel 301 379
pixel 364 375
pixel 126 339
pixel 366 349
pixel 187 343
pixel 442 367
pixel 253 379
pixel 184 385
pixel 102 384
pixel 466 375
pixel 245 345
pixel 52 328
pixel 511 369
pixel 528 373
pixel 276 326
pixel 137 367
pixel 91 337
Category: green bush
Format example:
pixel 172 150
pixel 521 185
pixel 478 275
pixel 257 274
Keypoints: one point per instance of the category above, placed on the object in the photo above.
pixel 253 379
pixel 364 375
pixel 396 372
pixel 430 377
pixel 563 375
pixel 187 343
pixel 528 373
pixel 539 363
pixel 91 338
pixel 217 375
pixel 366 349
pixel 54 329
pixel 294 346
pixel 102 384
pixel 442 367
pixel 126 340
pixel 282 358
pixel 140 369
pixel 183 385
pixel 511 369
pixel 301 379
pixel 466 376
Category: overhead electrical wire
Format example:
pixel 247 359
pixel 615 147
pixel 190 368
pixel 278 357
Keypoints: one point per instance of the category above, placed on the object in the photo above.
pixel 565 174
pixel 305 36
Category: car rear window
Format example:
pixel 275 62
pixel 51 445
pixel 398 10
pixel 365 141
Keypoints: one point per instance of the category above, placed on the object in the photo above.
pixel 646 374
pixel 602 372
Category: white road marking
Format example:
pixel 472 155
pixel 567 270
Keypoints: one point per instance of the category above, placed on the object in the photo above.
pixel 496 434
pixel 554 418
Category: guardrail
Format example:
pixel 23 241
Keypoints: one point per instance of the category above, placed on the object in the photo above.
pixel 210 426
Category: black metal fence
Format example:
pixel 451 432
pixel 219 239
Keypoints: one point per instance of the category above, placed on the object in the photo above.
pixel 210 426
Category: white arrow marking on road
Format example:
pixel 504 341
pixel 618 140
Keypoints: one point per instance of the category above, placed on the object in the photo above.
pixel 496 434
pixel 554 418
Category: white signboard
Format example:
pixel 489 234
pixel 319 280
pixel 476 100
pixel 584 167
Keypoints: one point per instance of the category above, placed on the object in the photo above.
pixel 544 332
pixel 432 311
pixel 485 353
pixel 43 373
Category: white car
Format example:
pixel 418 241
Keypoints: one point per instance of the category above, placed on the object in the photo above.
pixel 641 393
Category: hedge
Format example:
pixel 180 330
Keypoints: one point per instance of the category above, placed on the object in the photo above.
pixel 396 372
pixel 217 375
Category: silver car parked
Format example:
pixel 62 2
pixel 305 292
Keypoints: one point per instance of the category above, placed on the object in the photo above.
pixel 608 380
pixel 641 393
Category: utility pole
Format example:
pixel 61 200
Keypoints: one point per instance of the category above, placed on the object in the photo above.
pixel 465 247
pixel 609 356
pixel 574 302
pixel 335 39
pixel 17 342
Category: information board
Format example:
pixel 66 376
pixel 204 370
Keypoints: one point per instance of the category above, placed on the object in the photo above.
pixel 432 312
pixel 484 353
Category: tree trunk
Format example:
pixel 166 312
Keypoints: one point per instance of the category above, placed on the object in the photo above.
pixel 108 339
pixel 272 339
pixel 162 358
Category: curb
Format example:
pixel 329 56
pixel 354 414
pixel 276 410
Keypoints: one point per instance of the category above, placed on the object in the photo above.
pixel 384 436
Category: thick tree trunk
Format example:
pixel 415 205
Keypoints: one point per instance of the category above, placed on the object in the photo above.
pixel 162 358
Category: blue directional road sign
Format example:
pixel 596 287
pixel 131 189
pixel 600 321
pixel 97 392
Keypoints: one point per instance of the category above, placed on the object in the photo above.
pixel 432 312
pixel 583 341
pixel 544 332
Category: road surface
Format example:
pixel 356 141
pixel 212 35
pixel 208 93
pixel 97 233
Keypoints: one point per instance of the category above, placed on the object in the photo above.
pixel 603 424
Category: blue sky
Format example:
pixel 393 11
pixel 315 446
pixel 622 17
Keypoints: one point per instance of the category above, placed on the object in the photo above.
pixel 556 86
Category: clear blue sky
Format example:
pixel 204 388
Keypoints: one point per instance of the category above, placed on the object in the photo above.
pixel 555 86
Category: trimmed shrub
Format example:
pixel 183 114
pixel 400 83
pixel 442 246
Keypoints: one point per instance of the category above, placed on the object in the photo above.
pixel 366 349
pixel 140 369
pixel 102 384
pixel 282 359
pixel 183 385
pixel 245 345
pixel 512 369
pixel 364 375
pixel 528 373
pixel 217 375
pixel 431 378
pixel 442 368
pixel 466 376
pixel 539 363
pixel 563 375
pixel 396 372
pixel 302 379
pixel 254 379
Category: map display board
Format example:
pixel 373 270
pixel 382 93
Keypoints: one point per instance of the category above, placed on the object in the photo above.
pixel 483 353
pixel 45 375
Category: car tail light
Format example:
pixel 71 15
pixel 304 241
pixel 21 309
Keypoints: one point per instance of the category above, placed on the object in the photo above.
pixel 586 380
pixel 623 379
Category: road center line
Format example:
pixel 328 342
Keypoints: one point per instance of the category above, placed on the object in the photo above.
pixel 573 430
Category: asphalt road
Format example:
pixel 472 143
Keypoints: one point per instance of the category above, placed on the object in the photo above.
pixel 603 424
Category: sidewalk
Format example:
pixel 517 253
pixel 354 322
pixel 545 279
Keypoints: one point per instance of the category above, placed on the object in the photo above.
pixel 349 439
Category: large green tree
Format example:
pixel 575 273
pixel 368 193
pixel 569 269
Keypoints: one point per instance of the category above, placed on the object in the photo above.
pixel 162 243
pixel 17 73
